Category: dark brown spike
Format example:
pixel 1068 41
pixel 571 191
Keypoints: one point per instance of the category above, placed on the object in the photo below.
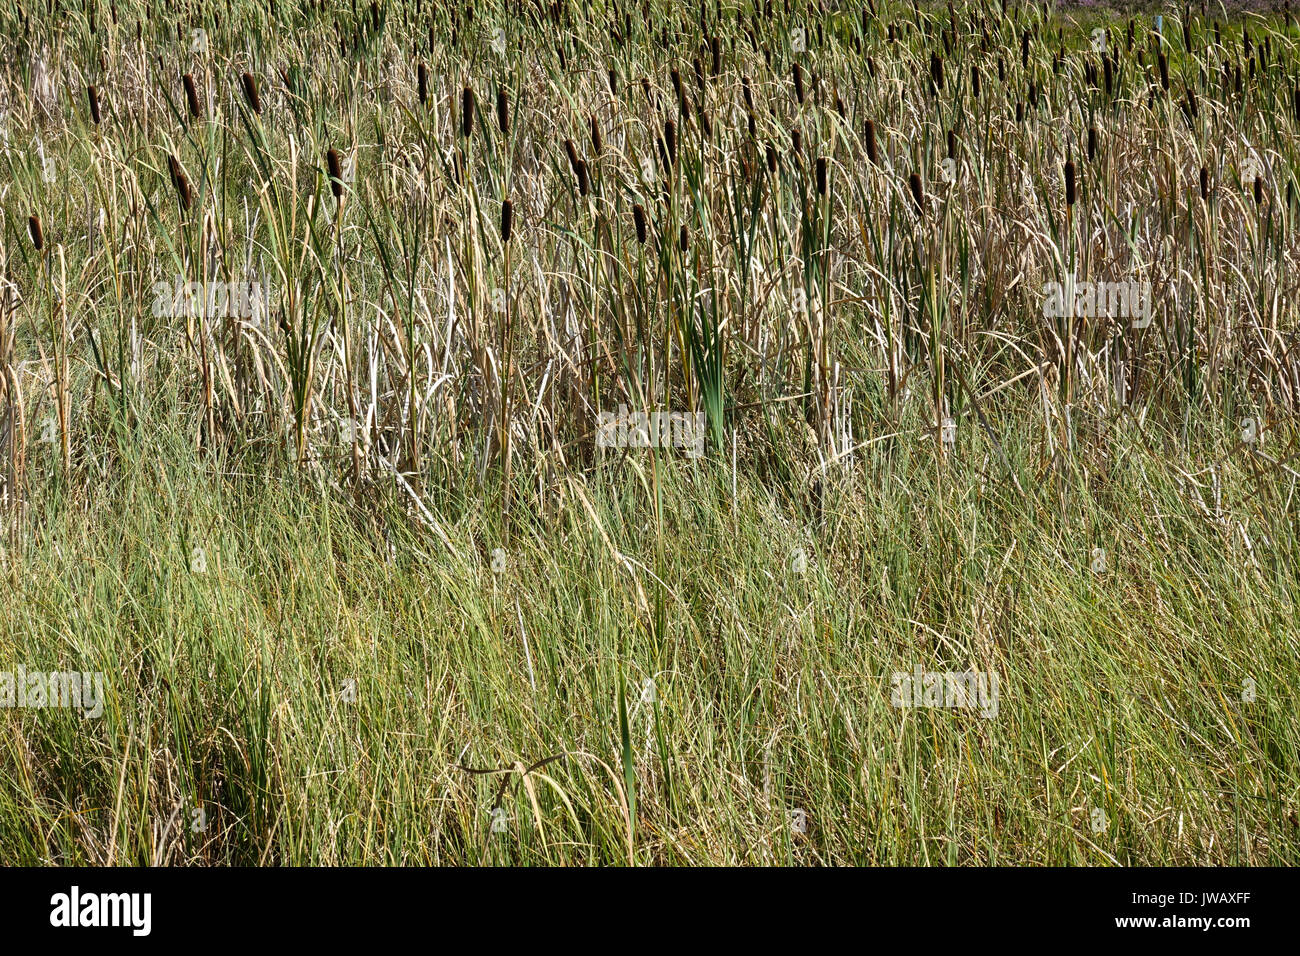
pixel 507 220
pixel 191 96
pixel 336 173
pixel 250 93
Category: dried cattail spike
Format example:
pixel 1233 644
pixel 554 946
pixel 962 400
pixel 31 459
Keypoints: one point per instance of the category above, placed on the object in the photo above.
pixel 1259 190
pixel 1205 184
pixel 821 176
pixel 798 83
pixel 183 194
pixel 572 153
pixel 34 228
pixel 250 93
pixel 584 183
pixel 684 239
pixel 771 158
pixel 507 220
pixel 918 196
pixel 596 143
pixel 336 173
pixel 191 95
pixel 422 82
pixel 1092 143
pixel 503 112
pixel 871 144
pixel 952 144
pixel 670 139
pixel 638 220
pixel 1070 194
pixel 92 95
pixel 466 112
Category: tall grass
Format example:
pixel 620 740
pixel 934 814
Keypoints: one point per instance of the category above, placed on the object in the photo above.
pixel 427 592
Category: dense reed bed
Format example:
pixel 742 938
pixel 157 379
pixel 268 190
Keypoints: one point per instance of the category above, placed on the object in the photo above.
pixel 978 324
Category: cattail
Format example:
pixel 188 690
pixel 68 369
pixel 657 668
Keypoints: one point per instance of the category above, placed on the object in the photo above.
pixel 936 71
pixel 952 144
pixel 584 183
pixel 1109 73
pixel 715 47
pixel 1259 190
pixel 1205 184
pixel 683 239
pixel 771 158
pixel 821 176
pixel 507 220
pixel 191 95
pixel 92 95
pixel 670 139
pixel 1163 62
pixel 975 81
pixel 749 96
pixel 613 82
pixel 798 83
pixel 336 173
pixel 1069 183
pixel 796 141
pixel 1020 111
pixel 638 220
pixel 466 112
pixel 918 197
pixel 422 82
pixel 34 228
pixel 250 93
pixel 572 152
pixel 183 194
pixel 503 112
pixel 1295 102
pixel 871 144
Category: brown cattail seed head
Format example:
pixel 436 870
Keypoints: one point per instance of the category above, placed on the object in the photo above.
pixel 871 144
pixel 503 112
pixel 34 228
pixel 918 197
pixel 1092 143
pixel 821 176
pixel 596 143
pixel 1205 184
pixel 191 95
pixel 183 194
pixel 638 219
pixel 466 112
pixel 92 95
pixel 336 173
pixel 584 184
pixel 670 139
pixel 250 93
pixel 771 158
pixel 1070 195
pixel 507 220
pixel 1259 190
pixel 683 239
pixel 798 83
pixel 422 82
